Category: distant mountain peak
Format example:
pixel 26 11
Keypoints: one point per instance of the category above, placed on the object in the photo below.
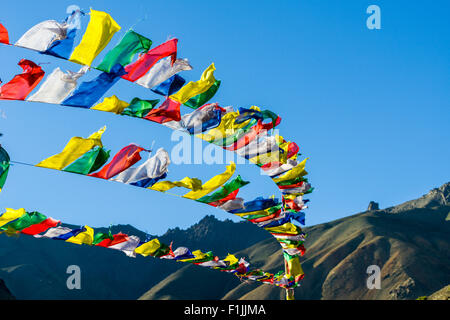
pixel 436 197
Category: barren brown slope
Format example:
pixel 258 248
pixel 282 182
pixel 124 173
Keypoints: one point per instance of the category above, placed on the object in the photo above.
pixel 409 242
pixel 443 294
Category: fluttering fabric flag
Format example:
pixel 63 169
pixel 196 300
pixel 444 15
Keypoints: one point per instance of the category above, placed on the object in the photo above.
pixel 257 205
pixel 11 215
pixel 41 227
pixel 170 86
pixel 89 92
pixel 99 32
pixel 75 148
pixel 139 68
pixel 131 44
pixel 139 108
pixel 213 183
pixel 24 221
pixel 57 86
pixel 226 129
pixel 163 70
pixel 4 38
pixel 220 202
pixel 202 98
pixel 84 237
pixel 22 84
pixel 128 246
pixel 124 159
pixel 148 248
pixel 148 172
pixel 193 89
pixel 261 128
pixel 4 166
pixel 111 104
pixel 263 145
pixel 62 48
pixel 225 190
pixel 275 169
pixel 200 120
pixel 297 171
pixel 57 233
pixel 187 182
pixel 169 110
pixel 41 36
pixel 89 162
pixel 295 202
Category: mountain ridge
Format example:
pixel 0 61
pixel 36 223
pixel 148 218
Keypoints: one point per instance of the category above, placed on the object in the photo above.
pixel 410 242
pixel 403 240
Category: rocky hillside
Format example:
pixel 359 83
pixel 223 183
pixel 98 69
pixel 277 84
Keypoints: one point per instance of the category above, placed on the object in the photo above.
pixel 410 243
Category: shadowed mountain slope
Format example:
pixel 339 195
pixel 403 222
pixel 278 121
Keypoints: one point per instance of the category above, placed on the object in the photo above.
pixel 410 243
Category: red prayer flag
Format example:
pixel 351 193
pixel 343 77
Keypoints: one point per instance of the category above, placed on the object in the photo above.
pixel 168 111
pixel 117 238
pixel 137 69
pixel 124 159
pixel 248 137
pixel 4 38
pixel 262 219
pixel 41 227
pixel 295 185
pixel 293 149
pixel 22 84
pixel 220 202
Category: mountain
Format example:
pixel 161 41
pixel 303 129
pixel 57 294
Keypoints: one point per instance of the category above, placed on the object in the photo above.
pixel 409 242
pixel 36 268
pixel 443 294
pixel 5 294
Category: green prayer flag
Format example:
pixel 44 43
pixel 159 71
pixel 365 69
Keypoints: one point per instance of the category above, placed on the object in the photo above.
pixel 162 251
pixel 123 53
pixel 139 108
pixel 100 236
pixel 89 162
pixel 4 167
pixel 202 98
pixel 28 219
pixel 235 136
pixel 225 190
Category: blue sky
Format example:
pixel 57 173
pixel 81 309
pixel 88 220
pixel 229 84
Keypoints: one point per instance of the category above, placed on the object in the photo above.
pixel 370 108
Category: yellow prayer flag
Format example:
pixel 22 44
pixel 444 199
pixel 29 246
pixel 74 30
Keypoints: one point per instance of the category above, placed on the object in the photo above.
pixel 10 215
pixel 188 183
pixel 265 212
pixel 288 228
pixel 75 148
pixel 148 248
pixel 195 88
pixel 275 156
pixel 85 237
pixel 227 127
pixel 297 171
pixel 213 183
pixel 231 259
pixel 99 32
pixel 111 104
pixel 294 267
pixel 198 256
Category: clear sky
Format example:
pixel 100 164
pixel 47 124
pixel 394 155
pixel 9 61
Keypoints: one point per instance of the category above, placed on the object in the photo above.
pixel 370 108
